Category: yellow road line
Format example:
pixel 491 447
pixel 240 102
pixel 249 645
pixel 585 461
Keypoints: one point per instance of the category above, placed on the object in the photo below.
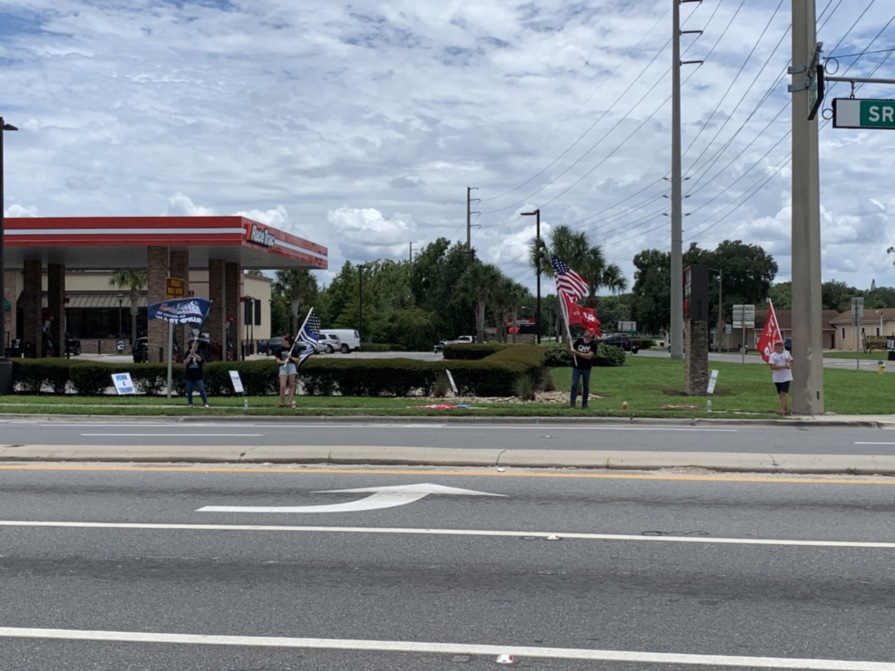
pixel 306 470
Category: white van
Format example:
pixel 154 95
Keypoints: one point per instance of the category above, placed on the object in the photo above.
pixel 349 338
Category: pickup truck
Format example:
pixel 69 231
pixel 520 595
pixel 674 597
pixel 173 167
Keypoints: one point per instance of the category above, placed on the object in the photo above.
pixel 464 339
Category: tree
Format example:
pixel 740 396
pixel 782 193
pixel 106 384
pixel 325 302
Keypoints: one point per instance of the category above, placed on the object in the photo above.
pixel 748 271
pixel 478 280
pixel 781 295
pixel 506 297
pixel 434 278
pixel 837 296
pixel 651 308
pixel 298 287
pixel 134 281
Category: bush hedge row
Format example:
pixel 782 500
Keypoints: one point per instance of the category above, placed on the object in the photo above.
pixel 493 371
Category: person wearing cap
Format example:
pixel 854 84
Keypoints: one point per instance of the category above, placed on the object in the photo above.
pixel 193 375
pixel 583 351
pixel 780 362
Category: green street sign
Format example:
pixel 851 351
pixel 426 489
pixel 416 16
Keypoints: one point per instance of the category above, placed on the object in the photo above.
pixel 853 113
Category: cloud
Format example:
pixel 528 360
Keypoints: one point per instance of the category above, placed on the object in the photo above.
pixel 361 127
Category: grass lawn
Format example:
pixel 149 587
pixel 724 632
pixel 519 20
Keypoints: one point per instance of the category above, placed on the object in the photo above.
pixel 652 387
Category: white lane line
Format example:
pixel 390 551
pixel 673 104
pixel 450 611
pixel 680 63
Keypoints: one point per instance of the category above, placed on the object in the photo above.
pixel 179 434
pixel 453 427
pixel 446 532
pixel 449 649
pixel 869 443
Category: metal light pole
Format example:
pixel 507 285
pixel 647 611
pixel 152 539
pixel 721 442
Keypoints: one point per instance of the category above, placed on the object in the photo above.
pixel 120 321
pixel 720 306
pixel 360 300
pixel 5 366
pixel 537 215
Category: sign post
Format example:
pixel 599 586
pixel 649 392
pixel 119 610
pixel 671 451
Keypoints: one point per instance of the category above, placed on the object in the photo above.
pixel 857 316
pixel 743 317
pixel 174 288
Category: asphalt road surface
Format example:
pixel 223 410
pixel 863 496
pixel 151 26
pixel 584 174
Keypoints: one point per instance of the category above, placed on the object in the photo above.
pixel 238 568
pixel 657 437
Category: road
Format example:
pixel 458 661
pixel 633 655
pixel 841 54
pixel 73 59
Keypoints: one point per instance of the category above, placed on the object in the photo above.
pixel 125 567
pixel 654 436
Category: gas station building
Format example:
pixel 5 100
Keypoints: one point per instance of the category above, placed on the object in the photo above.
pixel 182 257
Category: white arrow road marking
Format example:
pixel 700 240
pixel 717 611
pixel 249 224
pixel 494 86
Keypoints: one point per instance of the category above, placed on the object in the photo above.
pixel 383 497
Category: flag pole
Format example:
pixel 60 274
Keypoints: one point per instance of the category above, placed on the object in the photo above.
pixel 565 314
pixel 295 338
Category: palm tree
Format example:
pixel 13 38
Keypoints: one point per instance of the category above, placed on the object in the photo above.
pixel 600 275
pixel 134 281
pixel 506 297
pixel 479 279
pixel 300 287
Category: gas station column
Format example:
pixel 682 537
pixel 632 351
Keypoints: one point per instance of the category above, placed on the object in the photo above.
pixel 216 315
pixel 232 292
pixel 56 306
pixel 32 277
pixel 156 286
pixel 180 270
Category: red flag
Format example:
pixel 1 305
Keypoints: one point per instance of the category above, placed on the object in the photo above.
pixel 577 315
pixel 770 334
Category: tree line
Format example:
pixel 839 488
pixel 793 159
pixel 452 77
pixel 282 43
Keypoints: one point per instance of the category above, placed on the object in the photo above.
pixel 446 291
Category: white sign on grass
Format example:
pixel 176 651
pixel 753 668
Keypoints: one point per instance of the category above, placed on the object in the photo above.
pixel 237 382
pixel 452 383
pixel 123 383
pixel 712 380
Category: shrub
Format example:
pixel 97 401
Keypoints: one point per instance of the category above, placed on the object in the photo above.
pixel 609 355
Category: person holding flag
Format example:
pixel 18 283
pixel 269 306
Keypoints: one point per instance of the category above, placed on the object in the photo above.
pixel 770 346
pixel 583 351
pixel 780 362
pixel 571 286
pixel 288 361
pixel 193 375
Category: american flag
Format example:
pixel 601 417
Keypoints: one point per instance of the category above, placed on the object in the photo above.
pixel 568 282
pixel 308 336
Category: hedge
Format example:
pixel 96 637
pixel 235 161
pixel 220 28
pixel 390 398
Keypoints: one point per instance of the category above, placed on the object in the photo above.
pixel 485 370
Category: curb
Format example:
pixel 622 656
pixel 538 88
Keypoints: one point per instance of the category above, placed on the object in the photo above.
pixel 372 455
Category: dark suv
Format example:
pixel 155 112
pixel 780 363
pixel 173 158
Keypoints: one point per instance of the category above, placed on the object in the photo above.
pixel 622 341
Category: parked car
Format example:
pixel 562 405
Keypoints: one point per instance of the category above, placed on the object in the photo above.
pixel 622 341
pixel 140 350
pixel 72 345
pixel 787 344
pixel 328 343
pixel 461 340
pixel 349 339
pixel 16 348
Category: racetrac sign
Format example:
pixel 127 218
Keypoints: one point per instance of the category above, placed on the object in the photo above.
pixel 261 235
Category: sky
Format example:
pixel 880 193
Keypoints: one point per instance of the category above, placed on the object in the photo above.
pixel 362 126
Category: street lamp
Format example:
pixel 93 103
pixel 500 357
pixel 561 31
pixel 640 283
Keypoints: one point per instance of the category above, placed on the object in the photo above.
pixel 360 300
pixel 6 367
pixel 537 215
pixel 720 306
pixel 120 322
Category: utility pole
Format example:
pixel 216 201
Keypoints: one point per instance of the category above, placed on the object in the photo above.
pixel 537 215
pixel 677 269
pixel 807 343
pixel 469 212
